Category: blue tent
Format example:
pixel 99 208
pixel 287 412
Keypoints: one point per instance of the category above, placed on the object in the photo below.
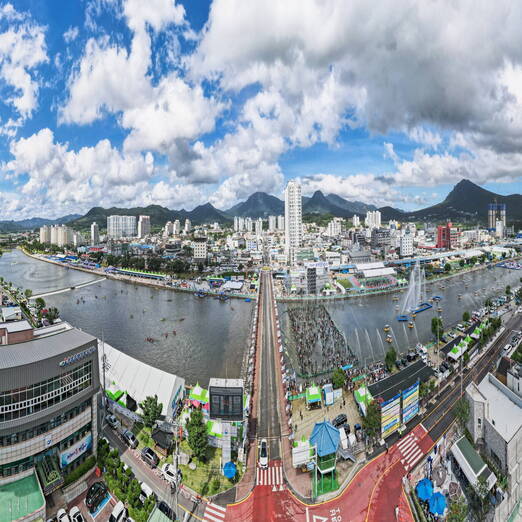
pixel 437 504
pixel 229 470
pixel 326 438
pixel 424 489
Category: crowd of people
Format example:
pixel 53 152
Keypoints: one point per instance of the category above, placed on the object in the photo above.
pixel 320 346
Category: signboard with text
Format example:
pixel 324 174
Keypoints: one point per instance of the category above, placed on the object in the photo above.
pixel 410 403
pixel 390 416
pixel 77 449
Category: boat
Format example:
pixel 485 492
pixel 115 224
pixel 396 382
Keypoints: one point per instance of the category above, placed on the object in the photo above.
pixel 414 315
pixel 410 324
pixel 397 307
pixel 386 327
pixel 389 339
pixel 247 300
pixel 439 309
pixel 459 296
pixel 200 294
pixel 402 318
pixel 395 298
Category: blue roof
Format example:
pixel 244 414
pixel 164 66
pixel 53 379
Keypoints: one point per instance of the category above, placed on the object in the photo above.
pixel 325 437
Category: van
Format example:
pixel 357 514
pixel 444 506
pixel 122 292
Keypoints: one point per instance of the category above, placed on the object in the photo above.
pixel 119 513
pixel 460 327
pixel 146 492
pixel 507 348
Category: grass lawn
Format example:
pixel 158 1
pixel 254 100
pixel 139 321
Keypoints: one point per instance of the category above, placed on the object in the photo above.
pixel 206 479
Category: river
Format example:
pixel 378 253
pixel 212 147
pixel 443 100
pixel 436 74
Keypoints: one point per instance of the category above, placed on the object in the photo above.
pixel 210 336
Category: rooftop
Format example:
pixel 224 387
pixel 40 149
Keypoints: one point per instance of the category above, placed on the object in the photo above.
pixel 16 326
pixel 505 407
pixel 20 498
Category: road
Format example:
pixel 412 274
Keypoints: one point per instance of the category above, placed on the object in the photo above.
pixel 268 419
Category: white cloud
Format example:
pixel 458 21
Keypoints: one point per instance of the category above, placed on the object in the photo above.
pixel 22 51
pixel 71 34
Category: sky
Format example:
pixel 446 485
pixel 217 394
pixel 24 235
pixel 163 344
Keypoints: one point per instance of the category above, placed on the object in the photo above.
pixel 176 103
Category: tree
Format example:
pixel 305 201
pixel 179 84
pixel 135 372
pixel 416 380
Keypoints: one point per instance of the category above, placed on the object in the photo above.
pixel 481 499
pixel 390 358
pixel 151 409
pixel 465 316
pixel 28 293
pixel 197 435
pixel 372 420
pixel 461 412
pixel 338 378
pixel 39 303
pixel 508 290
pixel 458 510
pixel 437 328
pixel 462 263
pixel 52 314
pixel 447 267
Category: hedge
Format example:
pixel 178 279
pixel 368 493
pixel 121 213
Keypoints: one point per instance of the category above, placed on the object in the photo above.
pixel 85 466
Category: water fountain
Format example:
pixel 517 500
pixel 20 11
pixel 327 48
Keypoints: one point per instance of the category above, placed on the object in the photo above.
pixel 369 344
pixel 381 343
pixel 415 298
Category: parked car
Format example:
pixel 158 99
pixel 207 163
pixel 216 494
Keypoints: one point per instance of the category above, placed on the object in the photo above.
pixel 263 453
pixel 63 516
pixel 130 439
pixel 148 456
pixel 169 473
pixel 112 421
pixel 119 513
pixel 76 515
pixel 146 492
pixel 166 510
pixel 340 420
pixel 95 495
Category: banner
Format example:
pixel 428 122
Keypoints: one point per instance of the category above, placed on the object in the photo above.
pixel 77 449
pixel 390 416
pixel 410 403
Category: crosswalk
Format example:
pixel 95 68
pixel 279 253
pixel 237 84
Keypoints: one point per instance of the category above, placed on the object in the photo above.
pixel 410 450
pixel 214 513
pixel 271 476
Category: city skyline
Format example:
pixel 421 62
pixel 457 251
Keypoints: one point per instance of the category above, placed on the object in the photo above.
pixel 212 111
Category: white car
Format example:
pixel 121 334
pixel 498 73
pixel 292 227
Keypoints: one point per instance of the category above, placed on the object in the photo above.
pixel 62 516
pixel 169 473
pixel 263 453
pixel 76 515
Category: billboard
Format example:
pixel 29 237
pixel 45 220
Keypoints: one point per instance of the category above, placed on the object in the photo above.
pixel 226 403
pixel 390 416
pixel 77 449
pixel 410 402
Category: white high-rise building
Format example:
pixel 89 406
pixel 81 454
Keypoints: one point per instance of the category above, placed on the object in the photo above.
pixel 121 226
pixel 280 223
pixel 334 228
pixel 54 235
pixel 188 226
pixel 293 220
pixel 406 245
pixel 45 234
pixel 95 233
pixel 373 219
pixel 272 223
pixel 356 220
pixel 259 227
pixel 143 226
pixel 177 228
pixel 168 229
pixel 63 235
pixel 249 224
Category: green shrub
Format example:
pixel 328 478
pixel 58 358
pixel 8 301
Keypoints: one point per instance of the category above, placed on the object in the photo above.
pixel 85 466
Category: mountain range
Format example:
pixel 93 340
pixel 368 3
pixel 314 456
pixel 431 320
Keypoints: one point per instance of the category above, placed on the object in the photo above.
pixel 466 202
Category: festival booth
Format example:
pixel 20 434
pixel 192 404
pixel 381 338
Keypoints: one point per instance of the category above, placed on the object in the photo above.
pixel 198 396
pixel 313 397
pixel 325 439
pixel 363 397
pixel 457 351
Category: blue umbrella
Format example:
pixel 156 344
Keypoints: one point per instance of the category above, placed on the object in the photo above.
pixel 229 470
pixel 424 489
pixel 438 504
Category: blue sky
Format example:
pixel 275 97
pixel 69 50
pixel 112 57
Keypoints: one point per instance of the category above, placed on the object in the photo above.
pixel 125 102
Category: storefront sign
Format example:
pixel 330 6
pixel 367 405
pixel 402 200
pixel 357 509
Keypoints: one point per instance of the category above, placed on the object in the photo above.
pixel 77 356
pixel 72 453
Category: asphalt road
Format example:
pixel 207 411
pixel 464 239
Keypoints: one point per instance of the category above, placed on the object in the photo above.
pixel 268 420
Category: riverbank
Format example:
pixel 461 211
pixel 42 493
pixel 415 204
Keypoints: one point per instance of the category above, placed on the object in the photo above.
pixel 138 280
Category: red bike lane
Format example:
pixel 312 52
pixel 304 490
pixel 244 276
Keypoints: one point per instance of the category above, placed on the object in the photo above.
pixel 372 495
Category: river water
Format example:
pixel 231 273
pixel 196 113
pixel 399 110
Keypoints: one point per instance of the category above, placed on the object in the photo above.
pixel 362 319
pixel 211 336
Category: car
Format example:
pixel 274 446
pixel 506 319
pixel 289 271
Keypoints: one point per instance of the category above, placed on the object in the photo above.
pixel 76 515
pixel 398 363
pixel 62 516
pixel 130 439
pixel 507 348
pixel 119 513
pixel 404 361
pixel 95 495
pixel 166 510
pixel 112 421
pixel 169 473
pixel 148 456
pixel 263 453
pixel 146 492
pixel 340 420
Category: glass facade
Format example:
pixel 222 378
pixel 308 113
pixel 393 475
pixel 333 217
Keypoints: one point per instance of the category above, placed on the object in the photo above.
pixel 19 403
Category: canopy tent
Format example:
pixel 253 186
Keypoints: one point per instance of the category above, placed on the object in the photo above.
pixel 229 470
pixel 313 395
pixel 424 489
pixel 437 504
pixel 468 340
pixel 215 429
pixel 199 394
pixel 471 463
pixel 363 398
pixel 325 438
pixel 456 352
